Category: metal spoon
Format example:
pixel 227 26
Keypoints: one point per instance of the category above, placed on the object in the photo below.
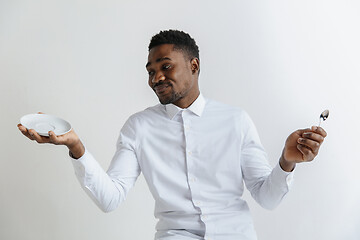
pixel 324 115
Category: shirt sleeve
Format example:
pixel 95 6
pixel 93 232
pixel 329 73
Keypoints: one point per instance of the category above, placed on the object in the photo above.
pixel 267 185
pixel 109 189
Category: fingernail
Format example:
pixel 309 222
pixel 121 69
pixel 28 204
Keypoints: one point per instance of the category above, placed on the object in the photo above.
pixel 314 128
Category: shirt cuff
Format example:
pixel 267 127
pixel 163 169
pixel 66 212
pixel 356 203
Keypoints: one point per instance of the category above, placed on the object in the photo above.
pixel 86 163
pixel 283 177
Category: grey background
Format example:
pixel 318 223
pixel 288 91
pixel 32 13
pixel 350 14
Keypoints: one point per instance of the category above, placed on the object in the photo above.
pixel 282 61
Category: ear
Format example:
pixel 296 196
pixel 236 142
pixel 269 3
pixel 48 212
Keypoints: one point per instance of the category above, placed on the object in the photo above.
pixel 195 65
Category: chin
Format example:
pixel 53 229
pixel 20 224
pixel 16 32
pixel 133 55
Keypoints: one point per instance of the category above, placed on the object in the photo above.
pixel 170 98
pixel 165 101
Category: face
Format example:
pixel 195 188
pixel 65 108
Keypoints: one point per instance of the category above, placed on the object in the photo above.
pixel 172 76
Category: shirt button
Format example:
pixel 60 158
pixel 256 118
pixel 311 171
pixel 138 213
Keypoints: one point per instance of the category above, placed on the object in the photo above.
pixel 190 153
pixel 192 179
pixel 289 180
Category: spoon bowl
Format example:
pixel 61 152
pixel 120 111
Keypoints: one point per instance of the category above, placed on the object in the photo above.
pixel 323 116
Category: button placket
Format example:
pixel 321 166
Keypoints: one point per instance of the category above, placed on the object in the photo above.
pixel 192 179
pixel 190 158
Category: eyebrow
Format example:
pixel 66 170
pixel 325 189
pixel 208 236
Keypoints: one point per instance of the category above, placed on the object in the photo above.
pixel 158 60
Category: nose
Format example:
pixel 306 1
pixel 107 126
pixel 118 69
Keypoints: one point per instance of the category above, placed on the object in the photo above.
pixel 159 76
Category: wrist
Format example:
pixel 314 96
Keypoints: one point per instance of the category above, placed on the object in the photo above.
pixel 287 166
pixel 77 149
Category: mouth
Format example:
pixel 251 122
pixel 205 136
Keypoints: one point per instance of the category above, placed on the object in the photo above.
pixel 161 89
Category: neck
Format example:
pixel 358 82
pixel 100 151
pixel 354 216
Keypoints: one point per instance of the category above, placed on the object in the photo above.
pixel 187 101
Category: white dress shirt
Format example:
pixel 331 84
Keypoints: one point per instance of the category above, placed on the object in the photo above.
pixel 195 162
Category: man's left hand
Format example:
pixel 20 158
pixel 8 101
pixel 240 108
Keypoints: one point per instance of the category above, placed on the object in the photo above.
pixel 302 146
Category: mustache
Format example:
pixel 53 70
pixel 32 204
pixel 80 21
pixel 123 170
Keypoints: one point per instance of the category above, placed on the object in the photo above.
pixel 162 83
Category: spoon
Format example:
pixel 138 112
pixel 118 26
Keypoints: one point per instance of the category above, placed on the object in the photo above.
pixel 324 115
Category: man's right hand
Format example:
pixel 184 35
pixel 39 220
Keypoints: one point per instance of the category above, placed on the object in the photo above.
pixel 70 139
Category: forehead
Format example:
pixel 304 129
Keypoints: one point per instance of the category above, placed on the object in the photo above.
pixel 164 50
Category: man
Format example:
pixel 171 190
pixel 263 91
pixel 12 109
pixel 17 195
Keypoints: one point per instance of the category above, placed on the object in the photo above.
pixel 195 154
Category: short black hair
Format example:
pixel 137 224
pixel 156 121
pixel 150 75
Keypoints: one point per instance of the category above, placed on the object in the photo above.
pixel 181 40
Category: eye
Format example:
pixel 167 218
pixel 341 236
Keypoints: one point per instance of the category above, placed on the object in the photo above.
pixel 167 66
pixel 151 73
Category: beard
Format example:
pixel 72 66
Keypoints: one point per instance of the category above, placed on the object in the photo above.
pixel 170 98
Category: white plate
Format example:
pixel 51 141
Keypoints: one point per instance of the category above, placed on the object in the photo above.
pixel 43 123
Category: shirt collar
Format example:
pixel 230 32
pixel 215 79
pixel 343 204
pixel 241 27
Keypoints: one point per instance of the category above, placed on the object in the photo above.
pixel 197 107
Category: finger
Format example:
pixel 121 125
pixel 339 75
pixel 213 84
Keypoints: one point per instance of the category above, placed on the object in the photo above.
pixel 307 154
pixel 40 139
pixel 24 131
pixel 299 132
pixel 313 136
pixel 31 134
pixel 311 144
pixel 21 128
pixel 319 130
pixel 53 138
